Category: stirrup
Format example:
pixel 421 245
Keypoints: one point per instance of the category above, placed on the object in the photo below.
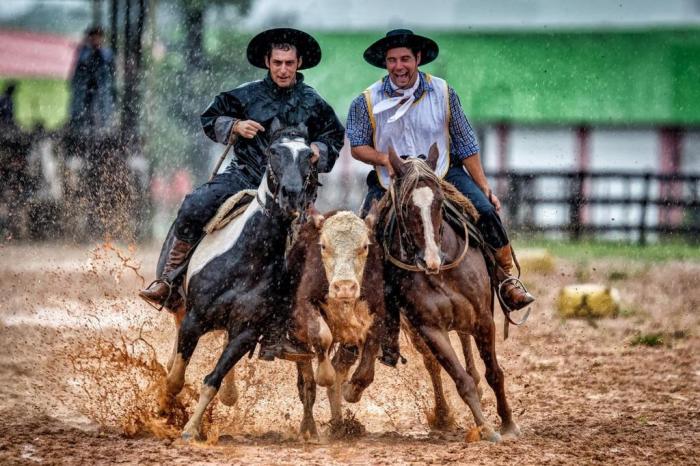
pixel 506 309
pixel 167 298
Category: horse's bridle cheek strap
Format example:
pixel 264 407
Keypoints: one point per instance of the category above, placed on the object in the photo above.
pixel 274 185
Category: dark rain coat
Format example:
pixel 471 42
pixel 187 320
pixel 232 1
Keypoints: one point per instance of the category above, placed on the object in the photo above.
pixel 92 104
pixel 263 101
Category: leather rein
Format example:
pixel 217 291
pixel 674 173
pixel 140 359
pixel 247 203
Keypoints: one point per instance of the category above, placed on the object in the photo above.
pixel 412 267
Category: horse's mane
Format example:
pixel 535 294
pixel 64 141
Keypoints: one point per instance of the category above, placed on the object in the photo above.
pixel 290 132
pixel 416 170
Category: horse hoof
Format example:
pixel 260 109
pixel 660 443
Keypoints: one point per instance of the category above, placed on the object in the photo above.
pixel 510 430
pixel 490 435
pixel 309 432
pixel 228 395
pixel 443 422
pixel 189 434
pixel 165 406
pixel 351 393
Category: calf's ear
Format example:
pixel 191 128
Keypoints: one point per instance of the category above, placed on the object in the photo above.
pixel 318 220
pixel 372 215
pixel 315 216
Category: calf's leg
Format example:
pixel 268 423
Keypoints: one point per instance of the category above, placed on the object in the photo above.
pixel 364 373
pixel 228 394
pixel 342 361
pixel 307 394
pixel 321 340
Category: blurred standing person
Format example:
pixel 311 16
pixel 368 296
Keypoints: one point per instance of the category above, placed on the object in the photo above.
pixel 91 135
pixel 7 106
pixel 92 85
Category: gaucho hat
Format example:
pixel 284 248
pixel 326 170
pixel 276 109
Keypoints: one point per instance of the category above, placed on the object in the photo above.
pixel 376 53
pixel 307 47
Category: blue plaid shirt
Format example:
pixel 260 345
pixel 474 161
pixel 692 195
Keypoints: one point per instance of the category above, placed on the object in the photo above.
pixel 463 141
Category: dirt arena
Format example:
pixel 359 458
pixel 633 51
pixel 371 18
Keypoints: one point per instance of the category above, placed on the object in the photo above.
pixel 80 365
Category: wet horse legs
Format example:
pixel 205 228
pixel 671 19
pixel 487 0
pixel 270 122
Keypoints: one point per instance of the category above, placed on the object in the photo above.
pixel 441 418
pixel 188 335
pixel 439 343
pixel 485 338
pixel 236 348
pixel 178 316
pixel 469 361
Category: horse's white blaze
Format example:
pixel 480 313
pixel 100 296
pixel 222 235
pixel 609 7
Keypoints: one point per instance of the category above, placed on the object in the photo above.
pixel 423 199
pixel 295 146
pixel 220 241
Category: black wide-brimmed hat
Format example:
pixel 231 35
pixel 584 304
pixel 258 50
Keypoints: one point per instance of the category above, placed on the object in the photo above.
pixel 307 47
pixel 376 53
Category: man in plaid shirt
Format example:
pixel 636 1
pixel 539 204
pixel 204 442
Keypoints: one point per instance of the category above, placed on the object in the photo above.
pixel 409 110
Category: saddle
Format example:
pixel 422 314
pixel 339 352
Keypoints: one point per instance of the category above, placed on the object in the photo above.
pixel 229 210
pixel 232 207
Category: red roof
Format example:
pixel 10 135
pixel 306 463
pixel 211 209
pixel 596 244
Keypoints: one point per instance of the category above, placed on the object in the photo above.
pixel 31 54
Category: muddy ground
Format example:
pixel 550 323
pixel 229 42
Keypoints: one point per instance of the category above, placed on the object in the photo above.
pixel 80 363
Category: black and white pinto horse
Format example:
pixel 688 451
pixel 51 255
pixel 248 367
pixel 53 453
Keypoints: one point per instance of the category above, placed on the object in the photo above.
pixel 236 279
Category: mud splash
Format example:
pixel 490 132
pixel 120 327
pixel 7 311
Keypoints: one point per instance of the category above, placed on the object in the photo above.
pixel 119 383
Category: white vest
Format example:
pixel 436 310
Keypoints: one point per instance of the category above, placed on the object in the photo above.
pixel 426 122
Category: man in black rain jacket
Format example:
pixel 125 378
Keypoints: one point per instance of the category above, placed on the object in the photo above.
pixel 244 115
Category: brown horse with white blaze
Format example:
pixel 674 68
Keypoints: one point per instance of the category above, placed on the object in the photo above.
pixel 438 297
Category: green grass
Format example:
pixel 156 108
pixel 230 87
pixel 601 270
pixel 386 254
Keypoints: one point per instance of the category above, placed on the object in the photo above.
pixel 591 249
pixel 650 339
pixel 40 101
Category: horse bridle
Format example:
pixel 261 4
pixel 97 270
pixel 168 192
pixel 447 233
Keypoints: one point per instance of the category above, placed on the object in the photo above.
pixel 405 237
pixel 310 182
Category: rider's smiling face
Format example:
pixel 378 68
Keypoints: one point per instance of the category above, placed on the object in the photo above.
pixel 283 66
pixel 402 66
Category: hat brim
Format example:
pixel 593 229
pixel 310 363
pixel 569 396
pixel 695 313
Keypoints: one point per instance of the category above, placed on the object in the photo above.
pixel 307 46
pixel 376 53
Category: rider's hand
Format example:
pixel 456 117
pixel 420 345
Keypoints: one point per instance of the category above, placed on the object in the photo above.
pixel 317 153
pixel 247 128
pixel 387 164
pixel 493 199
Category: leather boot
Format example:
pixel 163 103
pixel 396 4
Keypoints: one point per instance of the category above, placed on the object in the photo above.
pixel 512 290
pixel 159 291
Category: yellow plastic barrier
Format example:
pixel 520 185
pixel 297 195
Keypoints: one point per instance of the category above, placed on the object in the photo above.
pixel 535 261
pixel 588 300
